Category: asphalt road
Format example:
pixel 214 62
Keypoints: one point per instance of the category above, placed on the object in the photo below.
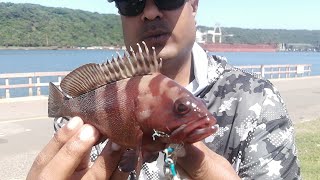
pixel 301 96
pixel 20 142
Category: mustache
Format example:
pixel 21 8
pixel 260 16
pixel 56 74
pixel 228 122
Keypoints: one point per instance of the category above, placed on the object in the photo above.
pixel 156 25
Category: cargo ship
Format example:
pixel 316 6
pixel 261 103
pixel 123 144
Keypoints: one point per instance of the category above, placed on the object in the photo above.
pixel 223 47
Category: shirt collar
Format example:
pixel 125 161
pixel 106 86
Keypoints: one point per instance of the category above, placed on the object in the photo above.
pixel 200 64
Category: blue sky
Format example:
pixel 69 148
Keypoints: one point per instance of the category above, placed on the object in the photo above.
pixel 270 14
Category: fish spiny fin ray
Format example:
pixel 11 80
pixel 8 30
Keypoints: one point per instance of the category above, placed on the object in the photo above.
pixel 92 76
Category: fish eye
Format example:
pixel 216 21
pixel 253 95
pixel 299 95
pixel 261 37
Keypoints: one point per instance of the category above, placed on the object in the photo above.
pixel 182 106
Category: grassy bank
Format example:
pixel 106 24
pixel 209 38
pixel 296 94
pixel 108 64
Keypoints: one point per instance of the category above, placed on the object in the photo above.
pixel 308 142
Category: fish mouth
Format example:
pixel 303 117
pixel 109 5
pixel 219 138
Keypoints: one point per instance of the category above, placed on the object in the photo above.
pixel 201 122
pixel 192 131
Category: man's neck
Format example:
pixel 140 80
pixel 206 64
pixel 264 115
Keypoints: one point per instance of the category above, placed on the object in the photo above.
pixel 180 70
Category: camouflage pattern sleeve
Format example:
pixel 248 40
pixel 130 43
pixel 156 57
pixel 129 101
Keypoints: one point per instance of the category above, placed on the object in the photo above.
pixel 269 151
pixel 256 134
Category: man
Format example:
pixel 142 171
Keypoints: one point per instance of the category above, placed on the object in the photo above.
pixel 255 139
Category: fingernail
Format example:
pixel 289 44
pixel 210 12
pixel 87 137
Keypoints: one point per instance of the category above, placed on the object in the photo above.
pixel 73 123
pixel 86 133
pixel 115 147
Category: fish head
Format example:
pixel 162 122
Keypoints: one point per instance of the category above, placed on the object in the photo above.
pixel 189 121
pixel 173 115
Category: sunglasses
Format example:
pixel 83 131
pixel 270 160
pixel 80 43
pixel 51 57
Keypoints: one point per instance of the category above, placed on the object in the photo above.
pixel 135 7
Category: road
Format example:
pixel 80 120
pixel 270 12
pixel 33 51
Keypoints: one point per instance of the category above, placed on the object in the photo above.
pixel 25 129
pixel 301 96
pixel 20 142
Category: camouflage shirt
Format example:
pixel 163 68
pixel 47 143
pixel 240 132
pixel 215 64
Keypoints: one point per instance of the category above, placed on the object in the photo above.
pixel 255 132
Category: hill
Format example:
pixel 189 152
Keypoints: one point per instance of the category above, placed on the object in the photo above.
pixel 265 36
pixel 35 25
pixel 30 25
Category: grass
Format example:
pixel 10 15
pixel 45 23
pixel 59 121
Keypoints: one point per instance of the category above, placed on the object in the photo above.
pixel 308 144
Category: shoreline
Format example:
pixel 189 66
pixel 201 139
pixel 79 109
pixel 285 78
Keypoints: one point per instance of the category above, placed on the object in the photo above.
pixel 54 48
pixel 62 48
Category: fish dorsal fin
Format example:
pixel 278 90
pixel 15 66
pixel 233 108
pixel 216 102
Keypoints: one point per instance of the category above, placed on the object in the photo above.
pixel 91 76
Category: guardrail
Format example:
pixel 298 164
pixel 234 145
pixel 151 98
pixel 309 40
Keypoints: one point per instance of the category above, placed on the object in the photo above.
pixel 265 71
pixel 35 75
pixel 279 71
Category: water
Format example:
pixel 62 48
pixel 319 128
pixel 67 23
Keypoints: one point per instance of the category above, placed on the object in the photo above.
pixel 17 61
pixel 259 58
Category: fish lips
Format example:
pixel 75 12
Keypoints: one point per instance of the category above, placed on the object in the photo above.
pixel 193 131
pixel 190 132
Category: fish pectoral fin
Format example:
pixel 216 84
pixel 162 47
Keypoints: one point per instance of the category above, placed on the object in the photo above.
pixel 132 159
pixel 128 161
pixel 149 157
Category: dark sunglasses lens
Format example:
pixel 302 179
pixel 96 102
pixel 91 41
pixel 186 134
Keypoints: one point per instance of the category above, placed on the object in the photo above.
pixel 169 4
pixel 130 7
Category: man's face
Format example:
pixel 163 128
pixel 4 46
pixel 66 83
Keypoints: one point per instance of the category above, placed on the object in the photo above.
pixel 171 32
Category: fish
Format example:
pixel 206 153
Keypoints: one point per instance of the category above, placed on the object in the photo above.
pixel 132 104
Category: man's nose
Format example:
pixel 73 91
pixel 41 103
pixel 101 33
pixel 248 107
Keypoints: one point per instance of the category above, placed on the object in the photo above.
pixel 151 11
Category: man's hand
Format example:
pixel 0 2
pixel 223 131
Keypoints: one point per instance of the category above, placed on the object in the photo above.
pixel 200 162
pixel 67 154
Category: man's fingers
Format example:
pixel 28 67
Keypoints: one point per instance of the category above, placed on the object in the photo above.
pixel 83 167
pixel 85 162
pixel 106 164
pixel 72 153
pixel 182 173
pixel 55 144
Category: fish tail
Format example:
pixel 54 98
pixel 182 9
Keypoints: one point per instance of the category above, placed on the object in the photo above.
pixel 55 101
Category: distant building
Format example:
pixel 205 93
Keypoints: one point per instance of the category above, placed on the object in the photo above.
pixel 199 37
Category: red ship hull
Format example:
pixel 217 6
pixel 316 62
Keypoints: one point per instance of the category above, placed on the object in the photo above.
pixel 217 47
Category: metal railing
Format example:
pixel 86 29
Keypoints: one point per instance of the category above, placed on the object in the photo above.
pixel 31 84
pixel 279 71
pixel 264 71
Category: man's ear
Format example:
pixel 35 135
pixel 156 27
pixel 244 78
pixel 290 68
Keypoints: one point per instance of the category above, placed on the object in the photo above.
pixel 194 4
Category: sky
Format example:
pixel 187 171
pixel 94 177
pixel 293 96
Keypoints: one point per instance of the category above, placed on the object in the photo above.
pixel 265 14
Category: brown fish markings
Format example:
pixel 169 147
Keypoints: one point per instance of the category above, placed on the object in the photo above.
pixel 131 103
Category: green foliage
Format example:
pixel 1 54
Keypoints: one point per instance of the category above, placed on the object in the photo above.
pixel 30 25
pixel 256 36
pixel 35 25
pixel 308 142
